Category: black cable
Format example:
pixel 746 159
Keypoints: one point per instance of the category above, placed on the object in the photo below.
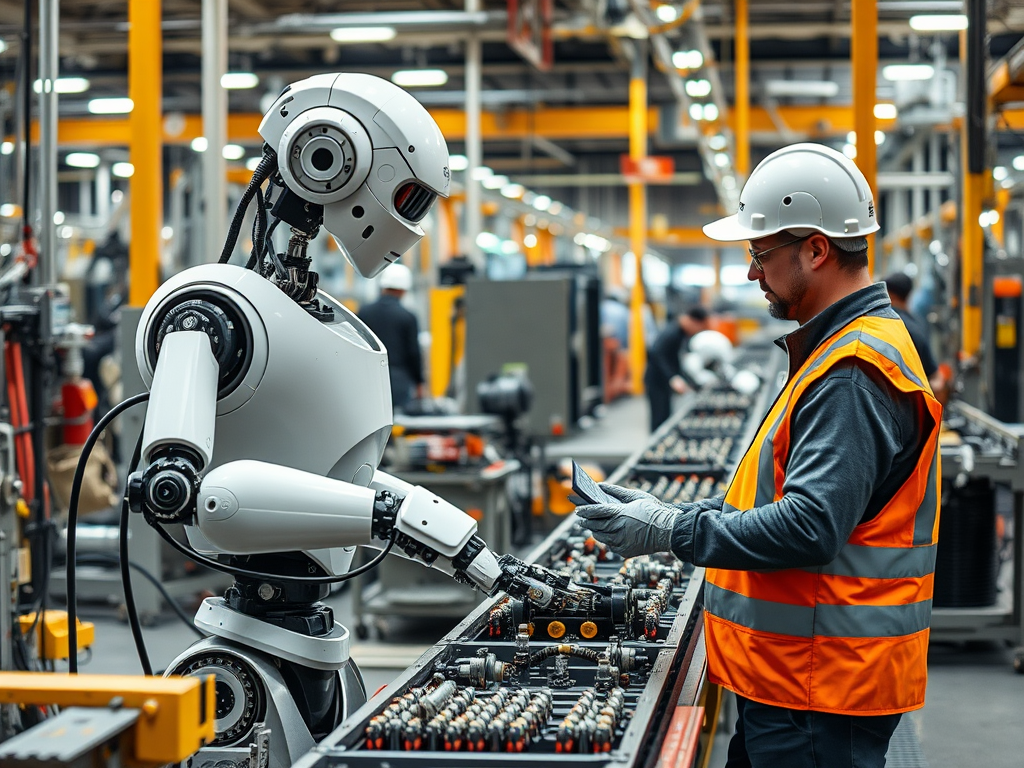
pixel 259 231
pixel 123 562
pixel 76 490
pixel 267 166
pixel 235 571
pixel 104 557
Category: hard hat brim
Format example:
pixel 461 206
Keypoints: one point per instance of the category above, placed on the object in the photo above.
pixel 729 230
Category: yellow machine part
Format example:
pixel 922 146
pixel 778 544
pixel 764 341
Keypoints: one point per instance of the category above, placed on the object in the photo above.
pixel 52 633
pixel 177 717
pixel 447 336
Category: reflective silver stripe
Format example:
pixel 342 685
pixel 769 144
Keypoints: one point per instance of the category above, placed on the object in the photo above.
pixel 924 520
pixel 765 492
pixel 889 351
pixel 820 621
pixel 881 562
pixel 760 615
pixel 872 620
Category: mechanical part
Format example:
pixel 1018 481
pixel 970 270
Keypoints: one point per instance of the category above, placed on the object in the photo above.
pixel 481 670
pixel 556 629
pixel 559 678
pixel 240 698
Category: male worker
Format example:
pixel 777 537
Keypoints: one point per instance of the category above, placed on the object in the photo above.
pixel 899 285
pixel 397 327
pixel 664 375
pixel 821 553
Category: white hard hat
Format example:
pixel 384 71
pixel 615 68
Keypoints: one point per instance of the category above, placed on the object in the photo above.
pixel 397 277
pixel 803 186
pixel 712 347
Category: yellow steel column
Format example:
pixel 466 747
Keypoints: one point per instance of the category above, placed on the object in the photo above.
pixel 145 72
pixel 638 215
pixel 864 54
pixel 742 124
pixel 972 236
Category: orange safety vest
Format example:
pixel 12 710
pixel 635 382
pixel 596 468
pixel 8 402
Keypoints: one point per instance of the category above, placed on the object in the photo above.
pixel 850 637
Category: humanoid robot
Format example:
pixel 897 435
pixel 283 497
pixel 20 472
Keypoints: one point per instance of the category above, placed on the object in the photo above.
pixel 270 409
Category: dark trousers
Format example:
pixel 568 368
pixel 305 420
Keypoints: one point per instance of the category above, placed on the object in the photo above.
pixel 659 397
pixel 773 737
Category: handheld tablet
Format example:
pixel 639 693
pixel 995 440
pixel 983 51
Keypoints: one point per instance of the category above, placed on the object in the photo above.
pixel 584 486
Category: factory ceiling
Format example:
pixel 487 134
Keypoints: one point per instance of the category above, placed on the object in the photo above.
pixel 559 129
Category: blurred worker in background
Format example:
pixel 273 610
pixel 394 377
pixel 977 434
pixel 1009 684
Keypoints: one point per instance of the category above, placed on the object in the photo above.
pixel 821 554
pixel 899 285
pixel 665 375
pixel 615 343
pixel 399 330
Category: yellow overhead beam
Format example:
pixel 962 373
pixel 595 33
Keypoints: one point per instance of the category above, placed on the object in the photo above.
pixel 551 122
pixel 674 237
pixel 814 122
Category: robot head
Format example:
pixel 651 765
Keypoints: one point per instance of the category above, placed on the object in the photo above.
pixel 368 152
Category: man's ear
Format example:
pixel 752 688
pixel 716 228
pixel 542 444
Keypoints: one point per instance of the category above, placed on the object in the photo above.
pixel 819 250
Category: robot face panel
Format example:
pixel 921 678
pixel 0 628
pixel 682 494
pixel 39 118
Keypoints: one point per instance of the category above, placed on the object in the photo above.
pixel 369 153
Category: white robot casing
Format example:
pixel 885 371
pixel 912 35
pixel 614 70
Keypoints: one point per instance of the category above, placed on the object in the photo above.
pixel 316 397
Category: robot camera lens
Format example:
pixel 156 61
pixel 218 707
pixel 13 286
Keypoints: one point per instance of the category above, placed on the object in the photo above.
pixel 322 159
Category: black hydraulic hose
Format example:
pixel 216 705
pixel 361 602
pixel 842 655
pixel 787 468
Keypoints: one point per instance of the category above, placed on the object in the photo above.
pixel 267 166
pixel 76 490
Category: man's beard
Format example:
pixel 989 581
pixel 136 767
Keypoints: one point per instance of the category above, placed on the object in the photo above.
pixel 779 309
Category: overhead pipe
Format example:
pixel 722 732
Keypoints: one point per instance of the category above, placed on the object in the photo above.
pixel 474 142
pixel 49 43
pixel 215 118
pixel 741 125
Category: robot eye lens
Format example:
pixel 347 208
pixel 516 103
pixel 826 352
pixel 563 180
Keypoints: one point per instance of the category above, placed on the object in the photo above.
pixel 322 159
pixel 412 201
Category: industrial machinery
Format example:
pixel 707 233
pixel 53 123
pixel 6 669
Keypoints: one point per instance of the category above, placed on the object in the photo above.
pixel 614 676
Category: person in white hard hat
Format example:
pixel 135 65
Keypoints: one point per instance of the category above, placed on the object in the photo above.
pixel 820 556
pixel 399 330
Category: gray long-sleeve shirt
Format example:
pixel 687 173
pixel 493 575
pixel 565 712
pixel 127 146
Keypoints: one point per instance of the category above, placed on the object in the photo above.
pixel 855 439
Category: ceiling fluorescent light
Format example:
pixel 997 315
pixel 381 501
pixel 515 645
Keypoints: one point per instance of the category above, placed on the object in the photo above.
pixel 419 78
pixel 896 72
pixel 885 111
pixel 934 22
pixel 82 159
pixel 116 106
pixel 820 89
pixel 692 59
pixel 64 85
pixel 362 34
pixel 122 170
pixel 666 13
pixel 495 182
pixel 238 81
pixel 458 162
pixel 233 152
pixel 698 88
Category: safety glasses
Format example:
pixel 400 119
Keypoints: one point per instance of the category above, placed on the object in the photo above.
pixel 757 256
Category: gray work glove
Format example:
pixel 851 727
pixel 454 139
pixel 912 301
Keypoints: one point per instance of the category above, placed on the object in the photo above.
pixel 641 525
